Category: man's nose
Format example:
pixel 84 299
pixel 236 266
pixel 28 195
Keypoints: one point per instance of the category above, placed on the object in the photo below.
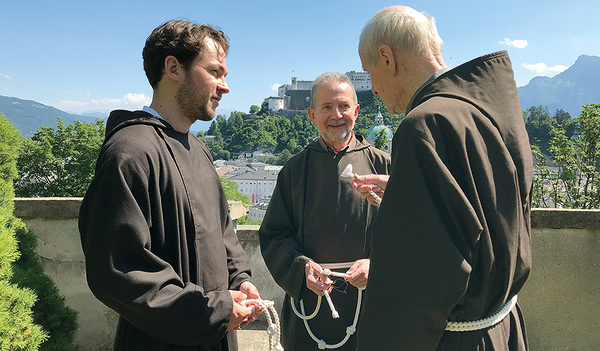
pixel 223 87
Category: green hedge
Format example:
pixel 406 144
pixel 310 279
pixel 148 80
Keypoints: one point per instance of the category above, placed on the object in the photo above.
pixel 33 315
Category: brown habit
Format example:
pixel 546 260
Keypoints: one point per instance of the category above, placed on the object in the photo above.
pixel 452 237
pixel 318 215
pixel 158 241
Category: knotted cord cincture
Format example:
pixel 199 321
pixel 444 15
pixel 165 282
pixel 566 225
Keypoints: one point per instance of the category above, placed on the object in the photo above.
pixel 349 330
pixel 483 323
pixel 274 329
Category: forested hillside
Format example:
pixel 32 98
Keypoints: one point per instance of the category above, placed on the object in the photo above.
pixel 262 130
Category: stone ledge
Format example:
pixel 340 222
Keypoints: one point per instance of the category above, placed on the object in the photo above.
pixel 559 218
pixel 68 207
pixel 47 207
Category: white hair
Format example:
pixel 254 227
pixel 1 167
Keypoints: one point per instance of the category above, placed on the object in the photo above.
pixel 401 28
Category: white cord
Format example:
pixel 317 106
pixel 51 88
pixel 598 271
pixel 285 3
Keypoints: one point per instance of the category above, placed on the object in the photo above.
pixel 349 330
pixel 274 329
pixel 483 323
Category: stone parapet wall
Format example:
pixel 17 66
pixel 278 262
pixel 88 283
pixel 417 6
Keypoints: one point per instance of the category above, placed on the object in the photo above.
pixel 560 300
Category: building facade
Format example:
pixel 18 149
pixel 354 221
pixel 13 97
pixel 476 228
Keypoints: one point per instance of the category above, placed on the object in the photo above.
pixel 258 181
pixel 296 96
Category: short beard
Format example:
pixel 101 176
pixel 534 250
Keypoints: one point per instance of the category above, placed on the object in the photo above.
pixel 189 99
pixel 329 137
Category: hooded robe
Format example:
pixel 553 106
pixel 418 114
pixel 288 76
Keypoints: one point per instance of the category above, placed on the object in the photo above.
pixel 452 238
pixel 159 244
pixel 315 214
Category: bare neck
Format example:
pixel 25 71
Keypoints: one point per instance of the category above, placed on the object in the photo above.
pixel 169 110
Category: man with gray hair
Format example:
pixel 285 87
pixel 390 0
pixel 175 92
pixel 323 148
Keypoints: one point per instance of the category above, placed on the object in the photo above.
pixel 451 243
pixel 316 221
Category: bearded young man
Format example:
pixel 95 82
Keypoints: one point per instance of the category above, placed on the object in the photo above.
pixel 316 220
pixel 159 244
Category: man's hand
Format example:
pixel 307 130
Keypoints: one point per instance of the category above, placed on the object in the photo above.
pixel 252 293
pixel 241 315
pixel 250 290
pixel 358 274
pixel 315 279
pixel 375 182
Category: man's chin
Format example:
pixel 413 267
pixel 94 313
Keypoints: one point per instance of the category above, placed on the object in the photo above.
pixel 207 116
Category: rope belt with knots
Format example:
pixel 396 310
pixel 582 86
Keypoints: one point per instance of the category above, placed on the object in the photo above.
pixel 350 330
pixel 485 322
pixel 274 329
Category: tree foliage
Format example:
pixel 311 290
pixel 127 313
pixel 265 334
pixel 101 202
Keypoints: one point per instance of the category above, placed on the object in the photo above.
pixel 243 134
pixel 539 124
pixel 382 140
pixel 569 177
pixel 17 328
pixel 266 131
pixel 232 194
pixel 59 162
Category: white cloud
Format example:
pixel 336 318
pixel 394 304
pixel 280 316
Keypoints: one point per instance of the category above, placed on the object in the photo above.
pixel 517 43
pixel 129 101
pixel 544 70
pixel 5 76
pixel 275 86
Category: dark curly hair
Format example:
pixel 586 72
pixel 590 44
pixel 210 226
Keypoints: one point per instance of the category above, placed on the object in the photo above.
pixel 183 40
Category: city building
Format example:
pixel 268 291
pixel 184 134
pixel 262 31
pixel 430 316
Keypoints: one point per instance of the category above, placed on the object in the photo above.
pixel 296 95
pixel 257 212
pixel 360 80
pixel 257 181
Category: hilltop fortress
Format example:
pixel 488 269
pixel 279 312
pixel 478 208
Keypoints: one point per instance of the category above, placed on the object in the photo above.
pixel 296 96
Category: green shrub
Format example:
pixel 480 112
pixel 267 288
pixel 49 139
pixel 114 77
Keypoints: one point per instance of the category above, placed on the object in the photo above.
pixel 50 311
pixel 22 314
pixel 17 329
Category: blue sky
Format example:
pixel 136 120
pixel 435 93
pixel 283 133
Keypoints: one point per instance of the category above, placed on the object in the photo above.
pixel 84 56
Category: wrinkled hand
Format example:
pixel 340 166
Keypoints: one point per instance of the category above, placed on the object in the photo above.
pixel 315 279
pixel 240 314
pixel 358 274
pixel 252 293
pixel 375 182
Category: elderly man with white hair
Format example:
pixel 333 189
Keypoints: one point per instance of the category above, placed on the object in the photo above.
pixel 451 243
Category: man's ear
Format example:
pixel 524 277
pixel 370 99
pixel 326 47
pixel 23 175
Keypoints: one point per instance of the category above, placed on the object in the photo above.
pixel 356 110
pixel 386 58
pixel 311 114
pixel 173 69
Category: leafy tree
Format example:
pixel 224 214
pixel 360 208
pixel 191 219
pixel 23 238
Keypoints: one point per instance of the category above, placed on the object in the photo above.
pixel 254 109
pixel 50 311
pixel 17 328
pixel 382 140
pixel 217 151
pixel 264 108
pixel 61 162
pixel 232 193
pixel 283 157
pixel 573 180
pixel 200 135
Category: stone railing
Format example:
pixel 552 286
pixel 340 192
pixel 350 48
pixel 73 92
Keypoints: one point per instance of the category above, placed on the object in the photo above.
pixel 559 301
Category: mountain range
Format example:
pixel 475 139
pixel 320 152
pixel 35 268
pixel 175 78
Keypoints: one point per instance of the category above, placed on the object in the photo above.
pixel 28 116
pixel 568 91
